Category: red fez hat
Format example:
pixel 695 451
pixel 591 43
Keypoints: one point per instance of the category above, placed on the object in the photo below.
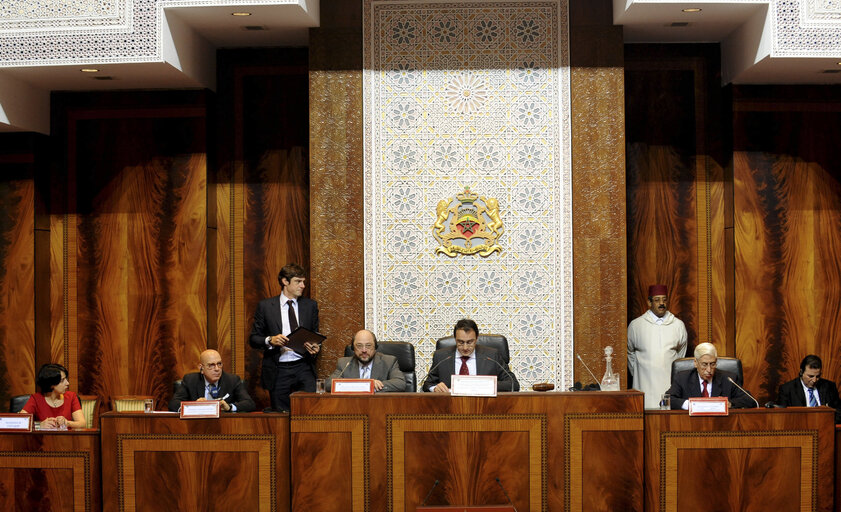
pixel 657 289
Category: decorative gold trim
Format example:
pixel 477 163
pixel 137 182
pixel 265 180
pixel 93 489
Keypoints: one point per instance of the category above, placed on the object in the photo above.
pixel 78 462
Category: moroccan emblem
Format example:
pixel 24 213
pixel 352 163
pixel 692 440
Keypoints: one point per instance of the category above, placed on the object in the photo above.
pixel 474 222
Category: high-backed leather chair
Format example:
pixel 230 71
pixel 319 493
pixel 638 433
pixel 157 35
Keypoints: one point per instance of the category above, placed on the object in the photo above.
pixel 405 354
pixel 729 365
pixel 17 402
pixel 496 341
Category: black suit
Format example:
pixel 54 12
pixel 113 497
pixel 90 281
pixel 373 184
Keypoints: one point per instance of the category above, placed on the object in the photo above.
pixel 792 395
pixel 444 363
pixel 193 387
pixel 281 379
pixel 687 385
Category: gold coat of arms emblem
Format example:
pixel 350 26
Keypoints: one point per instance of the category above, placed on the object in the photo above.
pixel 474 225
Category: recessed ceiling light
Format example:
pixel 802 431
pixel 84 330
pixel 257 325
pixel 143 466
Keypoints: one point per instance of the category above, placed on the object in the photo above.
pixel 692 9
pixel 240 13
pixel 89 70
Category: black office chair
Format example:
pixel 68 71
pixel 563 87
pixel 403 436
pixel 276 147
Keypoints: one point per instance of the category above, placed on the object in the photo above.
pixel 496 341
pixel 17 402
pixel 729 365
pixel 405 354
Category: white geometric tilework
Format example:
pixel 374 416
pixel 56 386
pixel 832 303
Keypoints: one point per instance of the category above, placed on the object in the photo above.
pixel 470 94
pixel 806 28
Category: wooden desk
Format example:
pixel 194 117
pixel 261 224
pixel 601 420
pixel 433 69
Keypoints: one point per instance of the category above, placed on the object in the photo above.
pixel 753 460
pixel 160 462
pixel 54 471
pixel 551 451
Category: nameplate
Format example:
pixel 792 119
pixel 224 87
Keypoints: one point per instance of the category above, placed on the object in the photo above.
pixel 473 385
pixel 10 422
pixel 200 409
pixel 713 406
pixel 352 387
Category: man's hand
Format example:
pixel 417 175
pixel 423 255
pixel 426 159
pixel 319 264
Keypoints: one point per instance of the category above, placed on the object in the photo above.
pixel 378 384
pixel 278 340
pixel 441 388
pixel 224 405
pixel 312 348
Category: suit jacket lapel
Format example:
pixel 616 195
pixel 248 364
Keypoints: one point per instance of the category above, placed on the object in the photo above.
pixel 198 389
pixel 378 370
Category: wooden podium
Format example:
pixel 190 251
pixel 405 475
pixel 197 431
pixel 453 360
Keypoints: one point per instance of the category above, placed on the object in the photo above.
pixel 456 508
pixel 557 451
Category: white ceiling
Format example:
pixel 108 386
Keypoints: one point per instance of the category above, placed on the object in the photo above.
pixel 759 44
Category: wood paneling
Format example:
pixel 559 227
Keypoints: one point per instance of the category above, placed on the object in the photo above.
pixel 598 185
pixel 551 451
pixel 17 267
pixel 787 183
pixel 752 460
pixel 48 472
pixel 260 192
pixel 128 241
pixel 677 205
pixel 236 462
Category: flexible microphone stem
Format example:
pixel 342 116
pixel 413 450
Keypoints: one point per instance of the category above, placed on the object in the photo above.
pixel 506 495
pixel 435 368
pixel 430 492
pixel 510 377
pixel 744 391
pixel 346 365
pixel 597 381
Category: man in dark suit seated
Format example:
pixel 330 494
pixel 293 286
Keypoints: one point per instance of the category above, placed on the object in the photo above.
pixel 211 383
pixel 703 381
pixel 283 370
pixel 367 363
pixel 810 390
pixel 467 358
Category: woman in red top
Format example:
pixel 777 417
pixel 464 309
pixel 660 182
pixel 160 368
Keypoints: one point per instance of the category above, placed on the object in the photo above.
pixel 54 406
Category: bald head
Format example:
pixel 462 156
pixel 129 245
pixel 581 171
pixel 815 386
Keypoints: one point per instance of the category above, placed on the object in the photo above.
pixel 210 365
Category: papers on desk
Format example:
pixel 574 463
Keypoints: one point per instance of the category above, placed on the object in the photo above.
pixel 11 422
pixel 200 409
pixel 473 385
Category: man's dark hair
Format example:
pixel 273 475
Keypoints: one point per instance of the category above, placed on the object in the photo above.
pixel 810 361
pixel 289 271
pixel 49 375
pixel 466 324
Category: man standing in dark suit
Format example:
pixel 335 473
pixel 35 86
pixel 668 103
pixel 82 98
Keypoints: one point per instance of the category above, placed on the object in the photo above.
pixel 285 371
pixel 467 358
pixel 810 390
pixel 211 383
pixel 367 363
pixel 703 381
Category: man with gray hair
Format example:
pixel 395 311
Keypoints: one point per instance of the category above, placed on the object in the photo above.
pixel 704 381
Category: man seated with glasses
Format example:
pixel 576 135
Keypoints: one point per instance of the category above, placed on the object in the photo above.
pixel 468 358
pixel 704 381
pixel 367 363
pixel 211 383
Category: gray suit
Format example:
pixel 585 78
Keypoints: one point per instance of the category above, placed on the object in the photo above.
pixel 383 368
pixel 488 362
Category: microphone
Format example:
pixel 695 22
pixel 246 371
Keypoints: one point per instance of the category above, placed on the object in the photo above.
pixel 588 370
pixel 346 365
pixel 430 492
pixel 773 405
pixel 506 495
pixel 510 377
pixel 435 368
pixel 744 391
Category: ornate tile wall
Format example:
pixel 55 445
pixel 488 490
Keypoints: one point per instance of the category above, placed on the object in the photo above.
pixel 469 94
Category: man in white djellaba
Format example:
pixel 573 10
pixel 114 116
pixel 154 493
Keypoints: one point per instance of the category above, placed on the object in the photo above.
pixel 655 340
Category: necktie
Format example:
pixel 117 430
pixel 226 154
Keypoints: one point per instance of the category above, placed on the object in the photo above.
pixel 366 372
pixel 464 370
pixel 293 322
pixel 812 401
pixel 705 393
pixel 214 391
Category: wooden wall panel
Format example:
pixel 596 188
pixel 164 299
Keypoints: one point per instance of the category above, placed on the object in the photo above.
pixel 677 201
pixel 130 242
pixel 17 269
pixel 260 192
pixel 337 176
pixel 598 186
pixel 788 232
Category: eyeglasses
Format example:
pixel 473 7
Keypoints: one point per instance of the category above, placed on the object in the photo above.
pixel 213 366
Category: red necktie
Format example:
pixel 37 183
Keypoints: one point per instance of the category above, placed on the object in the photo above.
pixel 463 370
pixel 705 393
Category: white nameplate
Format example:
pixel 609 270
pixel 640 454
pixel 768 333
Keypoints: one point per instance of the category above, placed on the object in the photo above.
pixel 714 406
pixel 16 422
pixel 200 409
pixel 473 385
pixel 352 386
